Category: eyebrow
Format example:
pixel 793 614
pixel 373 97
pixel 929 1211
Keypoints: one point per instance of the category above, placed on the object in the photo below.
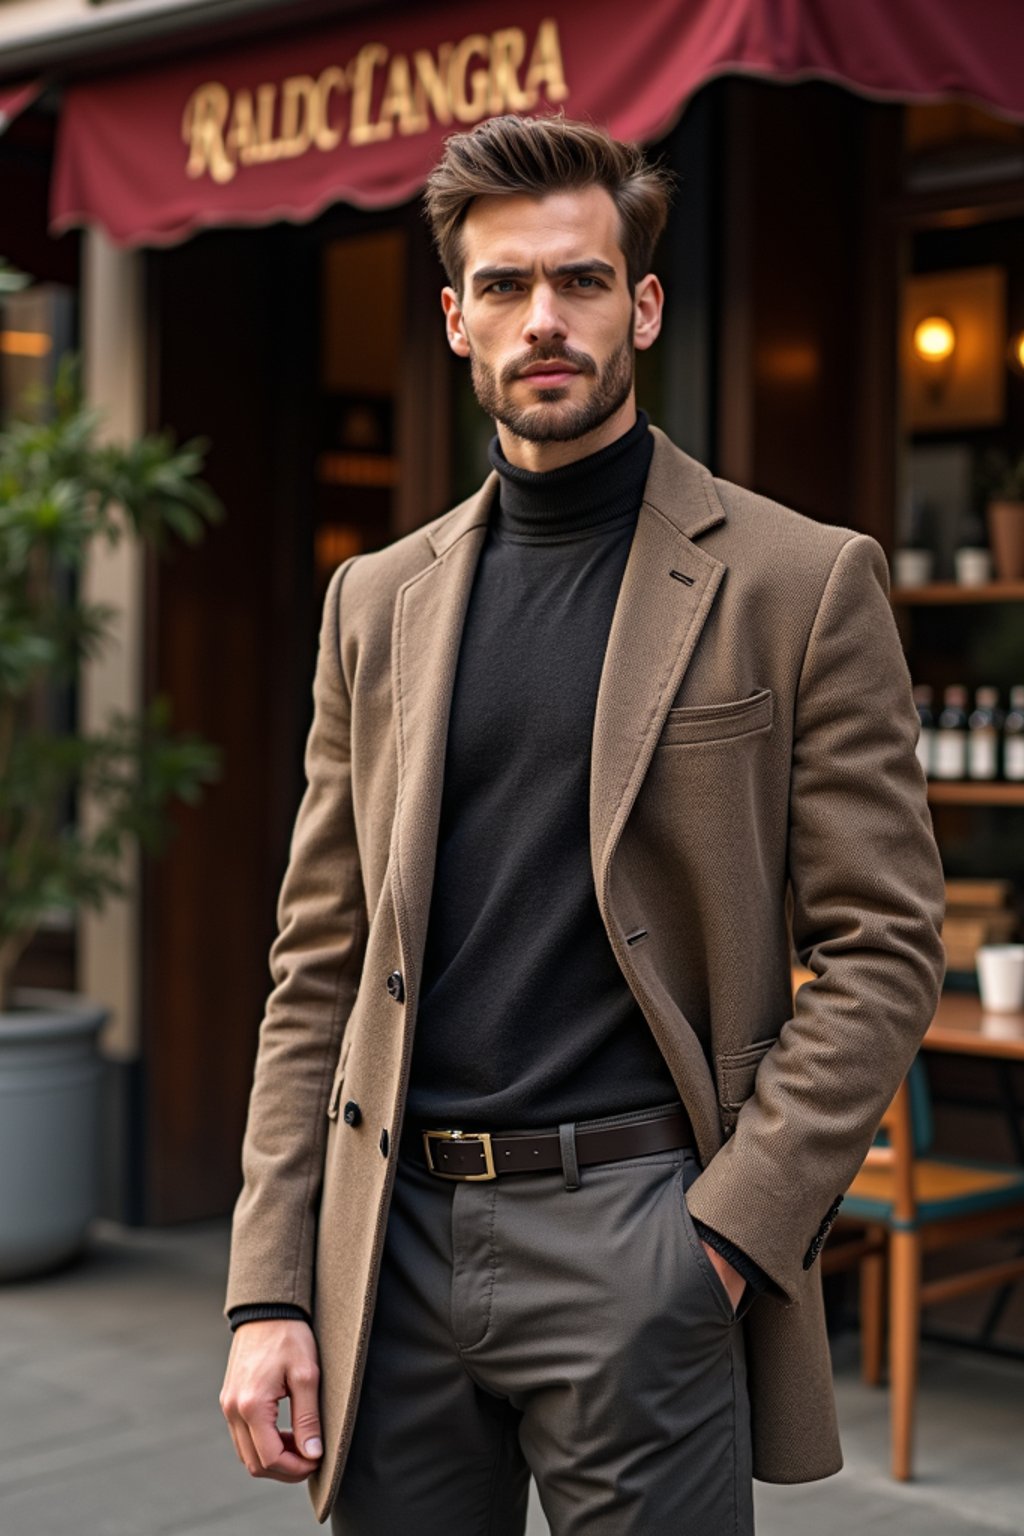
pixel 567 269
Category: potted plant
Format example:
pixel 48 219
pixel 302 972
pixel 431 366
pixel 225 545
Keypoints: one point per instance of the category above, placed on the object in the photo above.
pixel 62 493
pixel 1001 480
pixel 972 558
pixel 914 559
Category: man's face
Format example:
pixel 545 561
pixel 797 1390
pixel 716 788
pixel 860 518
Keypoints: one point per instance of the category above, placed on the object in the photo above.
pixel 546 316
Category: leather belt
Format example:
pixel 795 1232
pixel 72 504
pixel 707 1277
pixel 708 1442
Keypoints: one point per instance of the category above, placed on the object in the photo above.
pixel 452 1154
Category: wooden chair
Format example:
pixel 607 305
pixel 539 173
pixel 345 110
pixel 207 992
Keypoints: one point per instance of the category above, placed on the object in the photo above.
pixel 908 1204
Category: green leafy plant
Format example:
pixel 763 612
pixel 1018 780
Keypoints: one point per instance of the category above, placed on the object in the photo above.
pixel 62 492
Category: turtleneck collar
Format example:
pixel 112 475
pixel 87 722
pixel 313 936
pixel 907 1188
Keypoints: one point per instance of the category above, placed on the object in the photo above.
pixel 590 495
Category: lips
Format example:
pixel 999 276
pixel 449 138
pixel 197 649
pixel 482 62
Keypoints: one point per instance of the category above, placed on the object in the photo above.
pixel 553 372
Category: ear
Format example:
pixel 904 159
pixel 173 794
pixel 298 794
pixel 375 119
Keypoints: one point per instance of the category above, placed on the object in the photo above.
pixel 648 302
pixel 454 323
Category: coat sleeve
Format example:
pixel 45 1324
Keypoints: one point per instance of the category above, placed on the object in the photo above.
pixel 315 963
pixel 868 899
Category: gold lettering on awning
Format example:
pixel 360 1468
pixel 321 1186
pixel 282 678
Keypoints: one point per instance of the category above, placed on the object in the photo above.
pixel 546 67
pixel 363 66
pixel 462 81
pixel 202 128
pixel 370 97
pixel 508 49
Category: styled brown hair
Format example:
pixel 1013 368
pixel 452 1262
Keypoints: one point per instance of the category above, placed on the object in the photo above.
pixel 537 155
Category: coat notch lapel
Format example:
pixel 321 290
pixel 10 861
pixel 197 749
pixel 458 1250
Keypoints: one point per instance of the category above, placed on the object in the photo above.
pixel 657 621
pixel 430 612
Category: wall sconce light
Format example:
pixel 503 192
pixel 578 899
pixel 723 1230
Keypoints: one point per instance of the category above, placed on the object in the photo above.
pixel 1015 353
pixel 934 345
pixel 934 339
pixel 953 331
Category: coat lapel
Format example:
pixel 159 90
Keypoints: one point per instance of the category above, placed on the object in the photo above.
pixel 667 590
pixel 429 614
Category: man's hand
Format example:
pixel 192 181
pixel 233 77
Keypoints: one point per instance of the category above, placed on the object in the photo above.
pixel 731 1278
pixel 269 1361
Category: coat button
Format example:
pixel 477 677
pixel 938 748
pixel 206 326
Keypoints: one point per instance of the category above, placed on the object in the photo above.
pixel 351 1114
pixel 384 1143
pixel 396 986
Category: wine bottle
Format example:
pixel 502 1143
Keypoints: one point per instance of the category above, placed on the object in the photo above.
pixel 923 696
pixel 951 735
pixel 983 729
pixel 1013 736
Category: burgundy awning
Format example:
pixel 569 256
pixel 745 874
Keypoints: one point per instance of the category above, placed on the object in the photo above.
pixel 15 98
pixel 357 111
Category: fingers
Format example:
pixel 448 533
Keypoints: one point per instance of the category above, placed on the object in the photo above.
pixel 262 1449
pixel 304 1390
pixel 275 1360
pixel 260 1418
pixel 244 1448
pixel 732 1281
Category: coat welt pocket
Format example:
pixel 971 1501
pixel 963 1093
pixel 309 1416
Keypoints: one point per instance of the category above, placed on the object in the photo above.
pixel 736 1073
pixel 718 722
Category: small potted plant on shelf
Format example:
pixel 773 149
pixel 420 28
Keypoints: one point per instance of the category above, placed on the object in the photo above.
pixel 972 558
pixel 913 562
pixel 71 802
pixel 1001 480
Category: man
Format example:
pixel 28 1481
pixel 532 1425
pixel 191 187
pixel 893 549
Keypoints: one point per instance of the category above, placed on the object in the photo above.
pixel 580 748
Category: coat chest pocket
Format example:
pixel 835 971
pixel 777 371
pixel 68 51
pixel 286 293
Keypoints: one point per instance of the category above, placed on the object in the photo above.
pixel 339 1079
pixel 696 723
pixel 736 1071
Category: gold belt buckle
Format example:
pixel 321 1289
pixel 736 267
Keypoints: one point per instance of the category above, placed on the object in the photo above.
pixel 483 1137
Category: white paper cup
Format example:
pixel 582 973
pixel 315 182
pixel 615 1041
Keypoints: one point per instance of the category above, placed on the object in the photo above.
pixel 973 567
pixel 1001 977
pixel 912 567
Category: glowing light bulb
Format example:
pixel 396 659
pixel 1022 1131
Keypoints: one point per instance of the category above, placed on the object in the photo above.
pixel 934 339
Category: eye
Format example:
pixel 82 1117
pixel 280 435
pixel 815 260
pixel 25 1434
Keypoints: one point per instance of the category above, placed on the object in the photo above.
pixel 503 285
pixel 588 282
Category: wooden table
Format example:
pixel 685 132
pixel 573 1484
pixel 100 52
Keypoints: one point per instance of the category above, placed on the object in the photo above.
pixel 962 1027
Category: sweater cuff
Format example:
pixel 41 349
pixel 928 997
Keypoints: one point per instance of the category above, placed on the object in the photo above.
pixel 752 1273
pixel 264 1311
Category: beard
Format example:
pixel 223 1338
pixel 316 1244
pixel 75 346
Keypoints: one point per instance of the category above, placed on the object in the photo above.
pixel 612 384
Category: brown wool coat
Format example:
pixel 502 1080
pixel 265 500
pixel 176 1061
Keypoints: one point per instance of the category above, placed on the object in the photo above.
pixel 753 750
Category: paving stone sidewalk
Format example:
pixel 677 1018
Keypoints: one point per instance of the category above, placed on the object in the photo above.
pixel 109 1424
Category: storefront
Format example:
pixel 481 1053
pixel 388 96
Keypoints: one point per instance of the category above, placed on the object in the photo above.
pixel 257 271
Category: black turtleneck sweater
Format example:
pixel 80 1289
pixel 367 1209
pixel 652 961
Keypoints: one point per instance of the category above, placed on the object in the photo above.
pixel 524 1018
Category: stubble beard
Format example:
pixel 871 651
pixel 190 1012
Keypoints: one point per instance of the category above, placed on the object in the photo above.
pixel 611 390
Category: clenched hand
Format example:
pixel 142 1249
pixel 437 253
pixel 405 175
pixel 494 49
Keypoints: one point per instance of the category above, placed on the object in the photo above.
pixel 271 1360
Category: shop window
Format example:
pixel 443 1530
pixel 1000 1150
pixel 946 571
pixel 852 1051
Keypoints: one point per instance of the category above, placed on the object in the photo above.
pixel 362 340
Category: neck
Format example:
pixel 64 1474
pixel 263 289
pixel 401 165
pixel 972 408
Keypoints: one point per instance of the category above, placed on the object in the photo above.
pixel 539 457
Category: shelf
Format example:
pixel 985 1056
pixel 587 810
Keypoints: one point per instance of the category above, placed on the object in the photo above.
pixel 953 592
pixel 961 792
pixel 955 207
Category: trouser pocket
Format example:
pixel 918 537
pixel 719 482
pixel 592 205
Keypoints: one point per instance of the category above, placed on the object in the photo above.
pixel 688 1173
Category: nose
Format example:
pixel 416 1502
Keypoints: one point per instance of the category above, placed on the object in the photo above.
pixel 544 322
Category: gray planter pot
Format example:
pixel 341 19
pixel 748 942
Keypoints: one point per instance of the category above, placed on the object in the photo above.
pixel 49 1128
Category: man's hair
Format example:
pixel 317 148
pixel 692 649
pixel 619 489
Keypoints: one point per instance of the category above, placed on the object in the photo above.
pixel 534 156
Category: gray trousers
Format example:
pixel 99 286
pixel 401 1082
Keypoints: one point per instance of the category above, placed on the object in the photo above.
pixel 579 1333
